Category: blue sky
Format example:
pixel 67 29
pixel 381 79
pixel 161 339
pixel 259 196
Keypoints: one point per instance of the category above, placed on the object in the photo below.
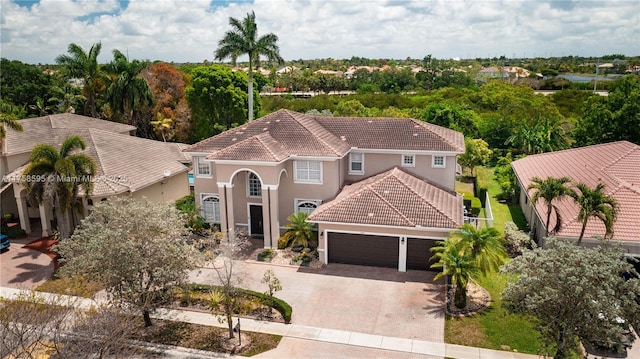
pixel 37 31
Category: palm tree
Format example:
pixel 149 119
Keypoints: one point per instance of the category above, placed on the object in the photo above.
pixel 84 65
pixel 127 90
pixel 484 245
pixel 299 231
pixel 59 175
pixel 8 117
pixel 456 263
pixel 243 39
pixel 550 189
pixel 595 203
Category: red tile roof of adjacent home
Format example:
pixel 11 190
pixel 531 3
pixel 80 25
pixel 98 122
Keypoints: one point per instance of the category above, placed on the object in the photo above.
pixel 616 165
pixel 295 134
pixel 393 198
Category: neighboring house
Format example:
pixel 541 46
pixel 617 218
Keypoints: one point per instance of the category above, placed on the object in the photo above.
pixel 126 165
pixel 616 165
pixel 380 189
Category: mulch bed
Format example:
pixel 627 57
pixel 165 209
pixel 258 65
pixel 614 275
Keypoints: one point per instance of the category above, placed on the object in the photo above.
pixel 45 245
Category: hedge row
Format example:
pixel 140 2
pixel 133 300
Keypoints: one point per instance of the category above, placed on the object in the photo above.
pixel 470 201
pixel 280 305
pixel 480 187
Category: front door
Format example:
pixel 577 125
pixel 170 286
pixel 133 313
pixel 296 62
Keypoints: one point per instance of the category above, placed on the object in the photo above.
pixel 256 228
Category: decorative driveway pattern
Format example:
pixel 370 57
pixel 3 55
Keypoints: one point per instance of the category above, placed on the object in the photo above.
pixel 369 300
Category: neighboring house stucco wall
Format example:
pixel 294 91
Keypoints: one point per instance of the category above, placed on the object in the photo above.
pixel 168 190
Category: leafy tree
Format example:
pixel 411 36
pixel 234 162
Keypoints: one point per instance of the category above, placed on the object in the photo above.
pixel 243 39
pixel 477 153
pixel 451 115
pixel 456 263
pixel 353 108
pixel 135 248
pixel 58 177
pixel 22 84
pixel 484 246
pixel 83 65
pixel 218 99
pixel 540 135
pixel 127 91
pixel 299 231
pixel 273 283
pixel 163 125
pixel 167 86
pixel 226 295
pixel 595 203
pixel 550 189
pixel 574 292
pixel 506 177
pixel 612 118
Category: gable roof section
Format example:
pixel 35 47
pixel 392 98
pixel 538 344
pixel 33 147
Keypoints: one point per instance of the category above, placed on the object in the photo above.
pixel 51 130
pixel 296 134
pixel 616 165
pixel 124 163
pixel 393 198
pixel 260 147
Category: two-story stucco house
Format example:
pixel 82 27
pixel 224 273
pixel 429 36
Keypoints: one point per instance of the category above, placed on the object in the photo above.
pixel 380 189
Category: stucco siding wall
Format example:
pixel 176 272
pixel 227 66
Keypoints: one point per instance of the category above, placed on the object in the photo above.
pixel 173 188
pixel 375 163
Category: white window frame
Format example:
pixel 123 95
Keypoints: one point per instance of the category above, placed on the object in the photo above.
pixel 249 181
pixel 353 158
pixel 299 201
pixel 306 172
pixel 216 209
pixel 435 165
pixel 404 163
pixel 200 161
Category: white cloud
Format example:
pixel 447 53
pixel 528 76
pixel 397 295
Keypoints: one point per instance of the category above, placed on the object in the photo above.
pixel 182 30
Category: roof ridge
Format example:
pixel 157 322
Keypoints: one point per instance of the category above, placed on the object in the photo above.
pixel 302 116
pixel 418 194
pixel 260 139
pixel 247 140
pixel 394 208
pixel 93 143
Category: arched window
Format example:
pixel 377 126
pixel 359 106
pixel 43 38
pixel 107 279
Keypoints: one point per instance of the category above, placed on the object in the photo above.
pixel 306 206
pixel 210 206
pixel 254 186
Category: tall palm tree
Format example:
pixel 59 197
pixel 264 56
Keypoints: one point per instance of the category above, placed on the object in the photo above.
pixel 127 90
pixel 243 39
pixel 484 245
pixel 456 263
pixel 550 189
pixel 595 203
pixel 58 176
pixel 84 65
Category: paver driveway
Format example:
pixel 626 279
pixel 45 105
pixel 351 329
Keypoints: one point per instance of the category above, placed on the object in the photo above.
pixel 24 268
pixel 361 299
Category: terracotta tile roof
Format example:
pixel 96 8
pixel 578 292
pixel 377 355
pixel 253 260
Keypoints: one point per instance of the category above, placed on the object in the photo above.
pixel 297 134
pixel 53 129
pixel 260 147
pixel 616 165
pixel 393 198
pixel 125 163
pixel 393 133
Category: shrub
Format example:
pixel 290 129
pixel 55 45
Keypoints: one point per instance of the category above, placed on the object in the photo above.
pixel 13 232
pixel 265 255
pixel 282 242
pixel 517 240
pixel 278 304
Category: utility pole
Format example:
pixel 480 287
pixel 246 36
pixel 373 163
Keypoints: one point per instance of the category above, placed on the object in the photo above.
pixel 595 80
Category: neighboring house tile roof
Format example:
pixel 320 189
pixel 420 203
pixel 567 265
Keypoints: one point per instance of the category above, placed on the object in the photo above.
pixel 616 165
pixel 124 163
pixel 53 130
pixel 393 198
pixel 295 134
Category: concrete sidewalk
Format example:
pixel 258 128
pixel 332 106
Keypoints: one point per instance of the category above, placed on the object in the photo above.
pixel 317 334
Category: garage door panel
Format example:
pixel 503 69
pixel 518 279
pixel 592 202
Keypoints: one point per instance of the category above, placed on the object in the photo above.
pixel 418 253
pixel 361 249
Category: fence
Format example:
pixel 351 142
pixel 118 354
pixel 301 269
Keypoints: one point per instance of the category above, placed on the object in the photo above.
pixel 478 221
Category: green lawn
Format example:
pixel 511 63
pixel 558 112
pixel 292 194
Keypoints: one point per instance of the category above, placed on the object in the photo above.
pixel 495 328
